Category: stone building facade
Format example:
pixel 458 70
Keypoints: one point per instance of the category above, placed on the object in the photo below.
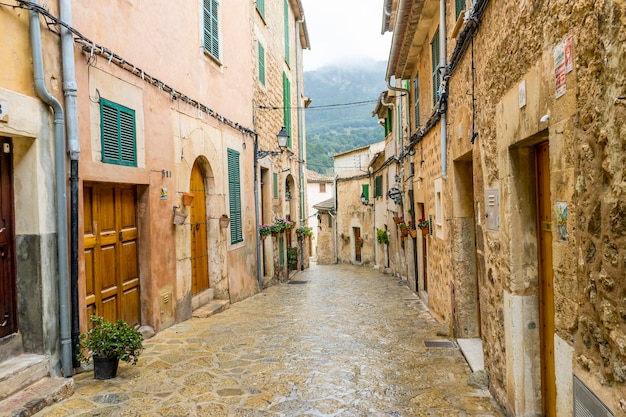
pixel 515 126
pixel 159 126
pixel 279 101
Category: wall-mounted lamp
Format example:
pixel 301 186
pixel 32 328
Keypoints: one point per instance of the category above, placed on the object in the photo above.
pixel 283 138
pixel 364 201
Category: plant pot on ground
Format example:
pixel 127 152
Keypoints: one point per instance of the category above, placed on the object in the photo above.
pixel 108 343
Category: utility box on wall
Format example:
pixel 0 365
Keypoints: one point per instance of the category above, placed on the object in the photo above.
pixel 492 209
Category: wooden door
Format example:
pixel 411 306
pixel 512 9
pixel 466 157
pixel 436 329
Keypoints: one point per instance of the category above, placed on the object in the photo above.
pixel 546 289
pixel 425 260
pixel 8 294
pixel 111 252
pixel 357 243
pixel 198 222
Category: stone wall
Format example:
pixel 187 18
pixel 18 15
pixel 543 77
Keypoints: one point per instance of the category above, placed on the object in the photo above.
pixel 586 131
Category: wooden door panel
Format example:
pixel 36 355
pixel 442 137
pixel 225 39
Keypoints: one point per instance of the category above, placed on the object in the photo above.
pixel 111 250
pixel 131 305
pixel 128 263
pixel 546 290
pixel 106 210
pixel 198 219
pixel 8 290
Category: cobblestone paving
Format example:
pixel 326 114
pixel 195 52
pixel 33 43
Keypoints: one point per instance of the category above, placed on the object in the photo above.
pixel 348 342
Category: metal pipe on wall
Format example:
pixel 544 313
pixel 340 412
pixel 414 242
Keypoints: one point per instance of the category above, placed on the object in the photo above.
pixel 71 120
pixel 442 66
pixel 61 191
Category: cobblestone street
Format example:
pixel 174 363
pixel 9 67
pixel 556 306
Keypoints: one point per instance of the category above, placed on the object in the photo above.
pixel 338 340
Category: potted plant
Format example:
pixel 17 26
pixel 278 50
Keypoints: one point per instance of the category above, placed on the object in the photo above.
pixel 424 225
pixel 264 230
pixel 108 343
pixel 382 237
pixel 303 231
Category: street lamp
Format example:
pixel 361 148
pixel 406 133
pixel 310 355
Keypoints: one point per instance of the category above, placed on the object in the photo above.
pixel 364 200
pixel 282 138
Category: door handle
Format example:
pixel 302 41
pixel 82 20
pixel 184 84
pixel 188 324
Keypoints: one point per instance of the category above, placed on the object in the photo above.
pixel 2 254
pixel 198 226
pixel 6 320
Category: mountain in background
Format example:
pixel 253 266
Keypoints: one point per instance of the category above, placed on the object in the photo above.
pixel 340 115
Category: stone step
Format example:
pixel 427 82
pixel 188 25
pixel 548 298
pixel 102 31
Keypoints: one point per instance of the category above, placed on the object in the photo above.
pixel 213 307
pixel 21 371
pixel 36 397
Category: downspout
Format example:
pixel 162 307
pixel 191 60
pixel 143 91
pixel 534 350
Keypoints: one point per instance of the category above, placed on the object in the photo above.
pixel 61 190
pixel 335 206
pixel 71 118
pixel 442 68
pixel 300 107
pixel 257 214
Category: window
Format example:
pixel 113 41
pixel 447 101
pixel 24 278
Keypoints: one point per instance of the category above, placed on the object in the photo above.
pixel 434 46
pixel 261 64
pixel 287 107
pixel 322 188
pixel 275 184
pixel 286 24
pixel 330 221
pixel 365 191
pixel 378 186
pixel 460 6
pixel 388 122
pixel 438 208
pixel 234 197
pixel 416 98
pixel 211 27
pixel 117 133
pixel 260 6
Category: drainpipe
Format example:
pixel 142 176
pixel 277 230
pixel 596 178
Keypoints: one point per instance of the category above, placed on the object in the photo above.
pixel 335 206
pixel 442 67
pixel 300 88
pixel 257 214
pixel 61 190
pixel 71 117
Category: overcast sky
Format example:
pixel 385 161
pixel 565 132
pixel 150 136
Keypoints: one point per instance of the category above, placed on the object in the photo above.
pixel 343 31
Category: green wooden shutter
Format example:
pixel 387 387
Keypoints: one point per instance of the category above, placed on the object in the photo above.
pixel 261 64
pixel 281 251
pixel 460 6
pixel 234 197
pixel 365 190
pixel 378 186
pixel 275 184
pixel 260 6
pixel 118 134
pixel 434 49
pixel 416 90
pixel 287 108
pixel 211 27
pixel 388 122
pixel 286 17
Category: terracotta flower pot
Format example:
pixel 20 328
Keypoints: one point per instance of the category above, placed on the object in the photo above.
pixel 187 198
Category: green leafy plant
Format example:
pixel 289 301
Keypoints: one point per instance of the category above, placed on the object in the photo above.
pixel 303 231
pixel 382 236
pixel 265 229
pixel 110 340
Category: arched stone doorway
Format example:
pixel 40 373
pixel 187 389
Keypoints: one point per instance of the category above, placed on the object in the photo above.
pixel 198 233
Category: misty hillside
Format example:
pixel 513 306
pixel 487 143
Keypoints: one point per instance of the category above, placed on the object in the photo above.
pixel 340 115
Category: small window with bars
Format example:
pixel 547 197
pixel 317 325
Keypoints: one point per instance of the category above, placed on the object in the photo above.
pixel 118 134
